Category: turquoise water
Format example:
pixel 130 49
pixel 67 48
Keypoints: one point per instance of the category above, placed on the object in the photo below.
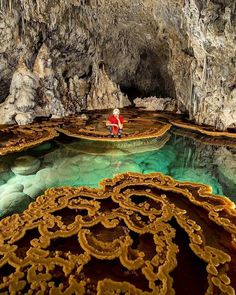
pixel 80 162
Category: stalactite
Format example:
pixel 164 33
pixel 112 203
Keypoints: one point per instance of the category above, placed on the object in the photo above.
pixel 190 96
pixel 181 21
pixel 204 71
pixel 38 6
pixel 194 106
pixel 22 25
pixel 189 39
pixel 192 103
pixel 10 6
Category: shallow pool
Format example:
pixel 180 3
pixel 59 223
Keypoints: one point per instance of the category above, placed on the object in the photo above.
pixel 68 162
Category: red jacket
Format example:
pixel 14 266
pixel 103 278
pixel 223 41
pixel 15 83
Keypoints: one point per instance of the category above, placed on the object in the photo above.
pixel 112 119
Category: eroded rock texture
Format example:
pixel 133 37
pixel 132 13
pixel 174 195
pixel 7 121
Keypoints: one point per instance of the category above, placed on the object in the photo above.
pixel 179 49
pixel 137 234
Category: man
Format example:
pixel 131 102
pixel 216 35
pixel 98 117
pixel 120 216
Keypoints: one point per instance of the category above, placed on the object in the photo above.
pixel 115 124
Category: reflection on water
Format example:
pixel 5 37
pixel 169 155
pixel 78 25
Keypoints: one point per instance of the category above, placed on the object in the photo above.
pixel 26 175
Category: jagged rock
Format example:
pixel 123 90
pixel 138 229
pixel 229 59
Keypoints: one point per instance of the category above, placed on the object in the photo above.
pixel 210 29
pixel 105 94
pixel 51 103
pixel 78 91
pixel 156 104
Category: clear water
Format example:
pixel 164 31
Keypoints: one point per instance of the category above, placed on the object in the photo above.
pixel 79 162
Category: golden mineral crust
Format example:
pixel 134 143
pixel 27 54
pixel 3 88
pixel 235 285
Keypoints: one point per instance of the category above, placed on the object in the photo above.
pixel 219 141
pixel 135 128
pixel 18 138
pixel 138 126
pixel 136 234
pixel 203 129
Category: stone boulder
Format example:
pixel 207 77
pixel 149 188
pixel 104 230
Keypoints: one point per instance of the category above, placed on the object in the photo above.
pixel 156 104
pixel 25 165
pixel 12 199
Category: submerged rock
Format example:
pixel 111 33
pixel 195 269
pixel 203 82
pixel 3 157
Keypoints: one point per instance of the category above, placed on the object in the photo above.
pixel 25 165
pixel 159 161
pixel 124 166
pixel 34 190
pixel 13 199
pixel 197 175
pixel 46 146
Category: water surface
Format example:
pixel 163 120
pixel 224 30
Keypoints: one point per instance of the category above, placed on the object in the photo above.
pixel 81 162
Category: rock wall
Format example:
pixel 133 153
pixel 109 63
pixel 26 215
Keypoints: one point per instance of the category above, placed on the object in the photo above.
pixel 156 104
pixel 182 49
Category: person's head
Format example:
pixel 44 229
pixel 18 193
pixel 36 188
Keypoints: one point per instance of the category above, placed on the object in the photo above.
pixel 116 112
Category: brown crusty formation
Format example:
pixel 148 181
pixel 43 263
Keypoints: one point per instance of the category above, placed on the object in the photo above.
pixel 137 234
pixel 17 138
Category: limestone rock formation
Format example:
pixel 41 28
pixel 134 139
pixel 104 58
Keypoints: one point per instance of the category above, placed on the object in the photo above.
pixel 179 49
pixel 156 104
pixel 20 103
pixel 105 94
pixel 211 32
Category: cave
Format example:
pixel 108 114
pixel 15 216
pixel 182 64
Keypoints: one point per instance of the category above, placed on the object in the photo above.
pixel 117 147
pixel 163 50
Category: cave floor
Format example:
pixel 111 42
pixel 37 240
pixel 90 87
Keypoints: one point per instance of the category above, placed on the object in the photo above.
pixel 139 124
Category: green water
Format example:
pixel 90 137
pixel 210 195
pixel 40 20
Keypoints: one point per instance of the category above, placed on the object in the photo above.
pixel 79 162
